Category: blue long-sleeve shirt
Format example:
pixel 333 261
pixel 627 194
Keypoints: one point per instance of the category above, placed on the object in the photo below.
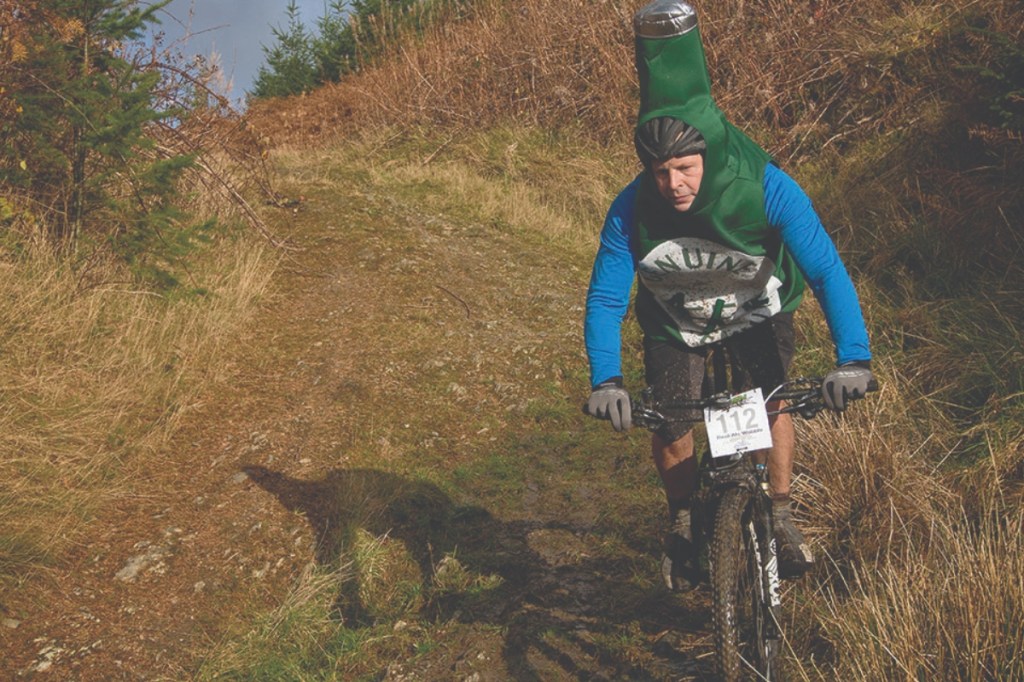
pixel 788 210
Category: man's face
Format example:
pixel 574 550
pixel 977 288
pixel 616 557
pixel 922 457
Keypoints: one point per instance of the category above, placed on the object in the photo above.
pixel 678 179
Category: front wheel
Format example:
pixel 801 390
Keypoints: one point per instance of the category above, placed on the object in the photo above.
pixel 745 597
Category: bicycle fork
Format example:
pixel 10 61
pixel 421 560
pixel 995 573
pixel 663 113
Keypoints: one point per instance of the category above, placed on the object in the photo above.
pixel 761 530
pixel 763 536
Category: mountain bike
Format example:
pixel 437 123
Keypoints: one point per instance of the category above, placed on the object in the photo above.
pixel 733 523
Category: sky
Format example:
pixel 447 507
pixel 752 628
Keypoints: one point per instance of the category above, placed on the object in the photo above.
pixel 235 29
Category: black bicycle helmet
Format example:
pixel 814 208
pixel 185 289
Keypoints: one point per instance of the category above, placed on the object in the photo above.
pixel 664 137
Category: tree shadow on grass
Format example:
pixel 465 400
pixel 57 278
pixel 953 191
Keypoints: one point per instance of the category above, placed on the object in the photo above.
pixel 565 614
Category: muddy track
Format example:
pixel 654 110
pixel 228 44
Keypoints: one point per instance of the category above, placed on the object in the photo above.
pixel 383 311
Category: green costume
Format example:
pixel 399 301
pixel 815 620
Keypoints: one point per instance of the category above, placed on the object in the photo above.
pixel 719 267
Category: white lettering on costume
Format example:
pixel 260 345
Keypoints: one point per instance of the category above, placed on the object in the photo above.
pixel 709 290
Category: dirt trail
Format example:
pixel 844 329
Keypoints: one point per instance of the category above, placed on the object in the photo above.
pixel 385 311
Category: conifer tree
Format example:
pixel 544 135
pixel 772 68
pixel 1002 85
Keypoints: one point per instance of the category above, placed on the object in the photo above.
pixel 291 68
pixel 79 154
pixel 348 33
pixel 334 46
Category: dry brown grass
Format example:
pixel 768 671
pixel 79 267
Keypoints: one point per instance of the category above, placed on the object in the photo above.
pixel 549 64
pixel 946 607
pixel 98 367
pixel 230 176
pixel 93 380
pixel 919 555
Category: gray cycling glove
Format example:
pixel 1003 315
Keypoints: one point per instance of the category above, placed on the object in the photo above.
pixel 846 383
pixel 609 400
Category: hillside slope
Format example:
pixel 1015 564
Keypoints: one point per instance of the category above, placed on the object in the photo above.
pixel 409 393
pixel 389 478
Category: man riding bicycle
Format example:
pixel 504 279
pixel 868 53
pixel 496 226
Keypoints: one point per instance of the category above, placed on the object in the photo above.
pixel 721 242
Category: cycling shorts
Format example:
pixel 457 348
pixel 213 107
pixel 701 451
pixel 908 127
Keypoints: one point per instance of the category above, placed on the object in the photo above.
pixel 675 371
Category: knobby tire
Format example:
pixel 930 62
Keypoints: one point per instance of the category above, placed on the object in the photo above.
pixel 740 614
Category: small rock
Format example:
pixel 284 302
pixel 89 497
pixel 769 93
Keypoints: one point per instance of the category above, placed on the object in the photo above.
pixel 152 560
pixel 47 655
pixel 10 623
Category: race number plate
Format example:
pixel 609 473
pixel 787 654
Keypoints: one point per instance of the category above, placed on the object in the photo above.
pixel 743 427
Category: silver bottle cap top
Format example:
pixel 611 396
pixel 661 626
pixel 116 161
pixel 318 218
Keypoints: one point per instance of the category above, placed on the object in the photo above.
pixel 664 19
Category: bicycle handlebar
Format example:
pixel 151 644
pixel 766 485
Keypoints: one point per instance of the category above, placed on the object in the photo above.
pixel 802 396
